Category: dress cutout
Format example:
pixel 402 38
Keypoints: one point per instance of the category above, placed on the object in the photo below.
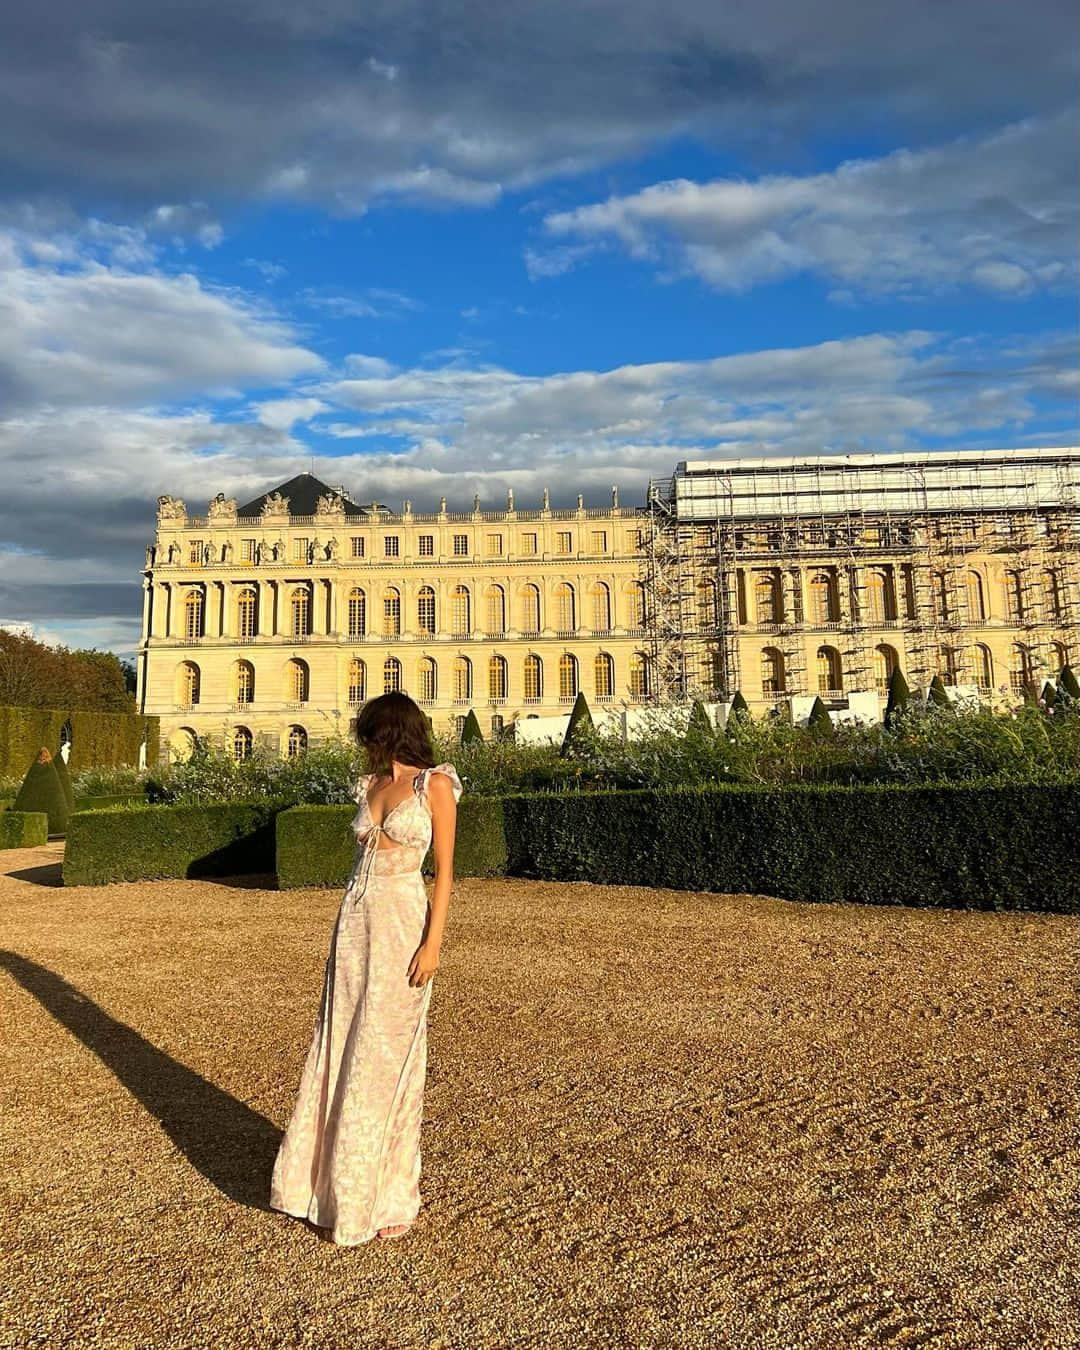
pixel 350 1157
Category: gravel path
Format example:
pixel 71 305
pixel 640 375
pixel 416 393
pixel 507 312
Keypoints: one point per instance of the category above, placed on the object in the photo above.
pixel 652 1118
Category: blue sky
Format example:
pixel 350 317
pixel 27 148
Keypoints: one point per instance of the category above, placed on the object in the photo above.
pixel 448 249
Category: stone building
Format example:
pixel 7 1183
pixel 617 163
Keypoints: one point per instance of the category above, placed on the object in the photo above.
pixel 273 621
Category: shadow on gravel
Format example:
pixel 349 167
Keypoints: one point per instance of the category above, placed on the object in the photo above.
pixel 223 1138
pixel 46 874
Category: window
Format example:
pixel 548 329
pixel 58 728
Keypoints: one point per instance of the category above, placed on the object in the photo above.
pixel 300 606
pixel 942 595
pixel 709 604
pixel 530 608
pixel 428 680
pixel 564 541
pixel 391 675
pixel 568 678
pixel 1051 589
pixel 296 743
pixel 425 609
pixel 357 680
pixel 497 723
pixel 426 546
pixel 1059 656
pixel 391 612
pixel 984 668
pixel 357 612
pixel 772 671
pixel 461 545
pixel 241 743
pixel 830 679
pixel 496 610
pixel 881 597
pixel 246 614
pixel 190 682
pixel 1014 596
pixel 634 540
pixel 976 598
pixel 391 546
pixel 300 549
pixel 529 543
pixel 245 682
pixel 193 615
pixel 534 679
pixel 459 723
pixel 247 550
pixel 494 545
pixel 356 546
pixel 497 679
pixel 947 665
pixel 639 676
pixel 599 541
pixel 462 679
pixel 565 610
pixel 601 608
pixel 824 601
pixel 885 662
pixel 768 597
pixel 604 676
pixel 635 598
pixel 298 680
pixel 195 552
pixel 460 611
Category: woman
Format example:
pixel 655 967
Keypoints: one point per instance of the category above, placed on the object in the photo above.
pixel 350 1158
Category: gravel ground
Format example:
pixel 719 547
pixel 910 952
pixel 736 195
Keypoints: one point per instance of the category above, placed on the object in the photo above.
pixel 652 1118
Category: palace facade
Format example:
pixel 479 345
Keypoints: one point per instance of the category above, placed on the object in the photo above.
pixel 274 621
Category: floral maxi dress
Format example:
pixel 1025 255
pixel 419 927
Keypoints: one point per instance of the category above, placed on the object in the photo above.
pixel 350 1157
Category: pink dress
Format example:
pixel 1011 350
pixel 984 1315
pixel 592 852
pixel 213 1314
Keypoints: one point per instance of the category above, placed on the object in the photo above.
pixel 350 1158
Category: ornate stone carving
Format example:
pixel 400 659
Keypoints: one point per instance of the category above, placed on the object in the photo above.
pixel 171 508
pixel 275 505
pixel 330 504
pixel 222 508
pixel 331 549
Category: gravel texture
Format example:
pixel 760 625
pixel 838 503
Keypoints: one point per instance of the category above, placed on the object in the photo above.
pixel 652 1118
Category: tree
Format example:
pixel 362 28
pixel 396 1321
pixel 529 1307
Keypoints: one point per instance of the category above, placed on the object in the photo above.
pixel 819 720
pixel 739 709
pixel 60 765
pixel 1069 687
pixel 1049 694
pixel 580 729
pixel 471 730
pixel 41 791
pixel 699 724
pixel 936 693
pixel 899 696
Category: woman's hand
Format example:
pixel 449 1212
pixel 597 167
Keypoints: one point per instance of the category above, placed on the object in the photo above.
pixel 424 964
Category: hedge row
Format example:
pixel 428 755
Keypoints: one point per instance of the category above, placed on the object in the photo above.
pixel 977 847
pixel 315 846
pixel 23 829
pixel 145 842
pixel 97 738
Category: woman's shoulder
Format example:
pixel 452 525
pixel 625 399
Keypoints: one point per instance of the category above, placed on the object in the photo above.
pixel 358 791
pixel 450 772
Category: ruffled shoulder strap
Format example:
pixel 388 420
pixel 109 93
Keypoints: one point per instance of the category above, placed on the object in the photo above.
pixel 423 778
pixel 358 791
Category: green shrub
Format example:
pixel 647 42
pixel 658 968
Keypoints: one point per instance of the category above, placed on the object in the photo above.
pixel 97 738
pixel 699 724
pixel 936 693
pixel 739 707
pixel 111 799
pixel 580 731
pixel 470 730
pixel 1069 685
pixel 819 722
pixel 23 829
pixel 42 791
pixel 899 697
pixel 142 842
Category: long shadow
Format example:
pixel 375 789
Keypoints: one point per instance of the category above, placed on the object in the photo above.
pixel 230 1144
pixel 44 874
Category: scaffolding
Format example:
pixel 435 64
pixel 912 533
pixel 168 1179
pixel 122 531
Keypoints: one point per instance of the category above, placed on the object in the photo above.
pixel 718 526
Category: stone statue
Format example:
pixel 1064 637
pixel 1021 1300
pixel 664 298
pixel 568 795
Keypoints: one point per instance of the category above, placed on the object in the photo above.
pixel 221 507
pixel 174 553
pixel 313 549
pixel 547 500
pixel 171 508
pixel 150 555
pixel 278 550
pixel 275 505
pixel 226 552
pixel 330 504
pixel 331 549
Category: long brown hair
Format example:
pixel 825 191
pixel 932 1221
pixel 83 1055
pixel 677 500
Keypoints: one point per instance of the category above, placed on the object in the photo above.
pixel 393 727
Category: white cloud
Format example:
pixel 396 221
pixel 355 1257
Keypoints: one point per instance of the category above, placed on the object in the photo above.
pixel 283 413
pixel 999 213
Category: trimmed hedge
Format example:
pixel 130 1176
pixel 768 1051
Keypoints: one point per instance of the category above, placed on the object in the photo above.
pixel 23 829
pixel 145 842
pixel 97 738
pixel 977 847
pixel 112 799
pixel 315 846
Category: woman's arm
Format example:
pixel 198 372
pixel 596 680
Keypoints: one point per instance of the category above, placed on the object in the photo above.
pixel 443 804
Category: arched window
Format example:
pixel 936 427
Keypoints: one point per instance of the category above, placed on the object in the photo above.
pixel 190 684
pixel 194 615
pixel 976 598
pixel 604 676
pixel 357 680
pixel 530 609
pixel 830 678
pixel 601 607
pixel 296 681
pixel 1051 589
pixel 357 612
pixel 639 676
pixel 534 678
pixel 462 679
pixel 942 597
pixel 247 614
pixel 1014 596
pixel 391 612
pixel 709 604
pixel 885 662
pixel 984 668
pixel 635 605
pixel 425 609
pixel 391 678
pixel 565 609
pixel 241 743
pixel 245 682
pixel 429 680
pixel 296 743
pixel 497 679
pixel 948 665
pixel 496 611
pixel 768 597
pixel 568 678
pixel 824 600
pixel 881 597
pixel 460 612
pixel 1059 656
pixel 772 671
pixel 300 605
pixel 1022 673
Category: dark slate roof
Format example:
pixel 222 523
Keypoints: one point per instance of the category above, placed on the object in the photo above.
pixel 303 493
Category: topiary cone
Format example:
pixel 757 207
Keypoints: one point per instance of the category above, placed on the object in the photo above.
pixel 41 791
pixel 739 706
pixel 936 693
pixel 899 696
pixel 579 728
pixel 1068 684
pixel 471 730
pixel 60 765
pixel 819 719
pixel 699 724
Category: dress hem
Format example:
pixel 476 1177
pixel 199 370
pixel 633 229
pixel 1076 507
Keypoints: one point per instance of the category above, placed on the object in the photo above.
pixel 328 1228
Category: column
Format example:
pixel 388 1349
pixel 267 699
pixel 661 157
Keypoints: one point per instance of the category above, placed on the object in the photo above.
pixel 318 607
pixel 266 609
pixel 334 626
pixel 214 600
